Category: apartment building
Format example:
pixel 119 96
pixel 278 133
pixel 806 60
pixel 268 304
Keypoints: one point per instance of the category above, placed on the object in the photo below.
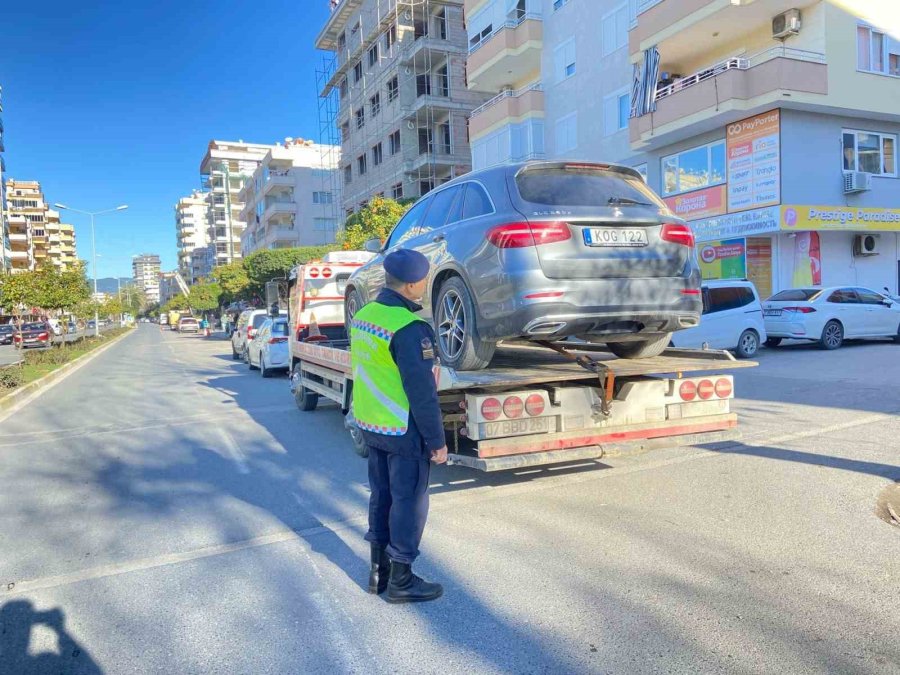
pixel 168 287
pixel 290 199
pixel 225 167
pixel 561 78
pixel 35 234
pixel 5 247
pixel 191 231
pixel 202 262
pixel 145 270
pixel 403 103
pixel 772 126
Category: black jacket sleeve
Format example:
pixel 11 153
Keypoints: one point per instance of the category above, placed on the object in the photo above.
pixel 413 350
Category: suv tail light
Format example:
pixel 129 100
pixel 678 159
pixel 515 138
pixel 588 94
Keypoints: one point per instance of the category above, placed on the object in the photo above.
pixel 677 233
pixel 276 340
pixel 43 336
pixel 802 310
pixel 250 333
pixel 522 235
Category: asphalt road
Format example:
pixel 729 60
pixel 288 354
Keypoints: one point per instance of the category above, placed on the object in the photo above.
pixel 165 511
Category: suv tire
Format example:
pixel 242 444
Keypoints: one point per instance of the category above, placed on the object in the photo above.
pixel 748 345
pixel 458 343
pixel 640 349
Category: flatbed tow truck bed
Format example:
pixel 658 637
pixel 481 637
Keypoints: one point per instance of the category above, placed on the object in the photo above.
pixel 536 406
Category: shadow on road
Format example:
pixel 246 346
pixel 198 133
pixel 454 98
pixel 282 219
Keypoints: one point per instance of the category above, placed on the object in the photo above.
pixel 18 620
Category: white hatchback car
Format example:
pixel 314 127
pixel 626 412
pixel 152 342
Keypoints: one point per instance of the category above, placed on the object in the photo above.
pixel 268 350
pixel 830 315
pixel 732 319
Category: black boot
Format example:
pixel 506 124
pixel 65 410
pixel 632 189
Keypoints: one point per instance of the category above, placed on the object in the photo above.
pixel 380 571
pixel 405 586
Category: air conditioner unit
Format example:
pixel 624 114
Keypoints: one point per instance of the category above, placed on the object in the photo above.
pixel 857 181
pixel 865 245
pixel 786 24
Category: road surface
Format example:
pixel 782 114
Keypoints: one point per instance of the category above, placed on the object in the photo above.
pixel 165 511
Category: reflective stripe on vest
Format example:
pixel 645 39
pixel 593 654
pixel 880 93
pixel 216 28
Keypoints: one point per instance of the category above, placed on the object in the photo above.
pixel 379 401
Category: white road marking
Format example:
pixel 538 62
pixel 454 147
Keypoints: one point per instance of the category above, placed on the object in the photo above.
pixel 237 455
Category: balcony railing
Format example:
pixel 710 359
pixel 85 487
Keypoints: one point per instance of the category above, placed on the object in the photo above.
pixel 510 93
pixel 513 23
pixel 738 63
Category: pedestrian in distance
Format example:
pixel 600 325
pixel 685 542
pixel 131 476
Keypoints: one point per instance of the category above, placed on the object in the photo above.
pixel 395 403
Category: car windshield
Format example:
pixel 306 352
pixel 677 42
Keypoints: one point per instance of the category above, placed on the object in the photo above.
pixel 795 294
pixel 583 186
pixel 33 326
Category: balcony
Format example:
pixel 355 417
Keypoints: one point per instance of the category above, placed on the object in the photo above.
pixel 415 51
pixel 506 107
pixel 730 90
pixel 279 210
pixel 18 237
pixel 443 157
pixel 509 54
pixel 278 179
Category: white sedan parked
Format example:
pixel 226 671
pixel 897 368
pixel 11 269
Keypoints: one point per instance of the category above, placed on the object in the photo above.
pixel 830 315
pixel 268 350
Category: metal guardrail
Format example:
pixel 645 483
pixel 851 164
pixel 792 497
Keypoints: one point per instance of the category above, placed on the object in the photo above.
pixel 738 63
pixel 509 93
pixel 515 23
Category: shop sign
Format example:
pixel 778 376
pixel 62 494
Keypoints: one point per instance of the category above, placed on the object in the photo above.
pixel 698 204
pixel 753 155
pixel 725 259
pixel 802 217
pixel 744 224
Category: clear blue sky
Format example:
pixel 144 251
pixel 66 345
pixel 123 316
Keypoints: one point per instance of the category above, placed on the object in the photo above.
pixel 112 103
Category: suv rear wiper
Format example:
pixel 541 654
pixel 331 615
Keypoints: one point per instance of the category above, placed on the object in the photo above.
pixel 627 201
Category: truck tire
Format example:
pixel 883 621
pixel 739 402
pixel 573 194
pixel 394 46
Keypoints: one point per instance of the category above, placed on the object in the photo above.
pixel 305 399
pixel 456 330
pixel 640 349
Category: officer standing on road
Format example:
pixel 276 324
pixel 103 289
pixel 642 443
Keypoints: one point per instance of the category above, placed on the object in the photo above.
pixel 395 404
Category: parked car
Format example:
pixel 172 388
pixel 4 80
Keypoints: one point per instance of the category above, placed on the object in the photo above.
pixel 543 251
pixel 268 350
pixel 830 315
pixel 188 324
pixel 732 319
pixel 35 334
pixel 55 326
pixel 248 323
pixel 7 331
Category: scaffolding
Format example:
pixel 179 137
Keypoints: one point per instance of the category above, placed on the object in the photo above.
pixel 412 41
pixel 329 140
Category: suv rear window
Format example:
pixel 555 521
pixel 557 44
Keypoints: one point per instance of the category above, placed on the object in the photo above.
pixel 280 328
pixel 795 294
pixel 718 299
pixel 581 187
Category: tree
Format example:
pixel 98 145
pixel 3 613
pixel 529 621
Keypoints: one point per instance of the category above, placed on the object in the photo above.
pixel 375 221
pixel 61 289
pixel 111 307
pixel 178 303
pixel 233 280
pixel 205 297
pixel 20 291
pixel 267 264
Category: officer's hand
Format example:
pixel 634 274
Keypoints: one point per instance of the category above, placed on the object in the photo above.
pixel 439 456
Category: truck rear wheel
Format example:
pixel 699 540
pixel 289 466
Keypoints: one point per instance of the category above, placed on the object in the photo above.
pixel 640 349
pixel 306 400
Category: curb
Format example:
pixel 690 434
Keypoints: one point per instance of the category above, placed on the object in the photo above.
pixel 23 396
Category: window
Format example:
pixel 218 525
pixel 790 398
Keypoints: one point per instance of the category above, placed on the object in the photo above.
pixel 844 296
pixel 559 4
pixel 345 131
pixel 719 299
pixel 377 154
pixel 877 52
pixel 397 191
pixel 446 146
pixel 375 102
pixel 477 202
pixel 360 118
pixel 393 88
pixel 868 297
pixel 342 42
pixel 344 88
pixel 695 168
pixel 870 152
pixel 614 30
pixel 324 224
pixel 390 38
pixel 642 169
pixel 426 141
pixel 517 12
pixel 796 294
pixel 564 60
pixel 395 142
pixel 426 186
pixel 567 133
pixel 348 174
pixel 373 55
pixel 443 81
pixel 357 72
pixel 581 187
pixel 478 38
pixel 420 29
pixel 408 226
pixel 616 110
pixel 423 85
pixel 361 165
pixel 440 22
pixel 323 198
pixel 442 204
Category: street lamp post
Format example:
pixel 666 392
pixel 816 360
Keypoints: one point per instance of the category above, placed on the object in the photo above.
pixel 93 253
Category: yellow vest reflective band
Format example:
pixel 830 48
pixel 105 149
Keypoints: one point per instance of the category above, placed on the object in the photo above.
pixel 379 401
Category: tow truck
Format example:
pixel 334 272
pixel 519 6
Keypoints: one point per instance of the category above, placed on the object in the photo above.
pixel 537 403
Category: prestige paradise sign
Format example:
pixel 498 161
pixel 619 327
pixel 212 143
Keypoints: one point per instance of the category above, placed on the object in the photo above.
pixel 802 217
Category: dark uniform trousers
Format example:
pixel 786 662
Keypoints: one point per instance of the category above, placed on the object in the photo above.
pixel 398 505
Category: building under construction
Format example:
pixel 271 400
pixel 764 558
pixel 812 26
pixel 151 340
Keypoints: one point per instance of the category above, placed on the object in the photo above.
pixel 395 96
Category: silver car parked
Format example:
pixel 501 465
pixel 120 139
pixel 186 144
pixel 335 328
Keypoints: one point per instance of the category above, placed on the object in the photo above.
pixel 543 251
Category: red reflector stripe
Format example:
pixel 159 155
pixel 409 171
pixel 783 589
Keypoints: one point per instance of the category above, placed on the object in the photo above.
pixel 546 294
pixel 690 291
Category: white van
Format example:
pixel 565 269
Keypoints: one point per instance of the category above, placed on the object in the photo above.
pixel 732 319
